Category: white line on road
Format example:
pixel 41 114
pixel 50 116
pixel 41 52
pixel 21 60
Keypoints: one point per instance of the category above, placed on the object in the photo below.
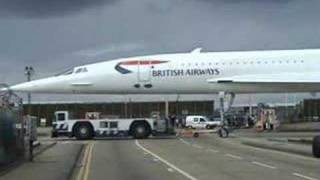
pixel 187 175
pixel 303 176
pixel 212 150
pixel 65 142
pixel 184 141
pixel 263 165
pixel 233 156
pixel 197 146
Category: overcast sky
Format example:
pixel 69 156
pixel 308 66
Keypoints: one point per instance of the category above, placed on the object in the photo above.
pixel 53 35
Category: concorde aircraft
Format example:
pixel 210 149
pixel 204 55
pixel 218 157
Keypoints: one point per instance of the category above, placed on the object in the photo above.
pixel 193 72
pixel 188 73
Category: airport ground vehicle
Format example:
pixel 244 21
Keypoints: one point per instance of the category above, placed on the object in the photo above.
pixel 201 122
pixel 95 125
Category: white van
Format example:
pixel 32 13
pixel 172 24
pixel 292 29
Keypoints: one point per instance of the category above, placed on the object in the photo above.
pixel 200 122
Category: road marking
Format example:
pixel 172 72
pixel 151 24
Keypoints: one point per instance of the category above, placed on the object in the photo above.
pixel 65 142
pixel 212 150
pixel 197 146
pixel 84 159
pixel 155 160
pixel 187 175
pixel 184 141
pixel 233 156
pixel 88 165
pixel 170 170
pixel 263 165
pixel 188 143
pixel 303 176
pixel 84 162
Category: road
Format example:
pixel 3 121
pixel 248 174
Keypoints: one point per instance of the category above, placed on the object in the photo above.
pixel 203 158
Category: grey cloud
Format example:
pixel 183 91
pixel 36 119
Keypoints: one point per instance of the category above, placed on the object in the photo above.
pixel 46 38
pixel 47 8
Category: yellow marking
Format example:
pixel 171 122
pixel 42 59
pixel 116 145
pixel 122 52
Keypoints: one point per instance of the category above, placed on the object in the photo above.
pixel 88 165
pixel 84 162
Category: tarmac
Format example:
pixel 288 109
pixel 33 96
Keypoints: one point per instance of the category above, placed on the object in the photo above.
pixel 54 163
pixel 208 157
pixel 299 143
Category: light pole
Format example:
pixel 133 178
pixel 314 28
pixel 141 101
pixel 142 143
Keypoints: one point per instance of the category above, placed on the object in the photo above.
pixel 29 71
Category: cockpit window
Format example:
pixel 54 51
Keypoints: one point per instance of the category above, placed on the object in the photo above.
pixel 78 70
pixel 74 70
pixel 81 70
pixel 66 72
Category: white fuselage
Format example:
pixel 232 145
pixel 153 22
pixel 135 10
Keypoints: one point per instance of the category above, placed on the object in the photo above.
pixel 190 73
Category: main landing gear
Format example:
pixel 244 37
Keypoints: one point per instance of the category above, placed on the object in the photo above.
pixel 223 131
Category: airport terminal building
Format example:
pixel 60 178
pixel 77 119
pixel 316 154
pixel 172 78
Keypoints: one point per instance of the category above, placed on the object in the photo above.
pixel 121 109
pixel 307 110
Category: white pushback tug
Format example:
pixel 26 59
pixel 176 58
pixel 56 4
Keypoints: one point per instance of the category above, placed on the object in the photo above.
pixel 94 125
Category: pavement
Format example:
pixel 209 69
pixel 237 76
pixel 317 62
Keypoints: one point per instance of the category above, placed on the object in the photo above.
pixel 54 163
pixel 291 142
pixel 284 146
pixel 274 134
pixel 44 131
pixel 302 126
pixel 206 157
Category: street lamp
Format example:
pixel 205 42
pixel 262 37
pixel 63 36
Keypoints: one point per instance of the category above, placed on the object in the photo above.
pixel 29 71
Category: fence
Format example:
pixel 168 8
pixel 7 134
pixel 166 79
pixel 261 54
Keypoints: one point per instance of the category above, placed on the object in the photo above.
pixel 11 128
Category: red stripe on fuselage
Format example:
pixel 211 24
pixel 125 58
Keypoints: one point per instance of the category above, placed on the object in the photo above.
pixel 139 62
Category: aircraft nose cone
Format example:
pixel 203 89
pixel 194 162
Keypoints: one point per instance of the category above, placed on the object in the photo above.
pixel 23 87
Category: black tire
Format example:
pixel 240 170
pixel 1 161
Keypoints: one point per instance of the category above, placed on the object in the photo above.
pixel 140 131
pixel 210 126
pixel 196 135
pixel 316 147
pixel 54 134
pixel 83 131
pixel 223 132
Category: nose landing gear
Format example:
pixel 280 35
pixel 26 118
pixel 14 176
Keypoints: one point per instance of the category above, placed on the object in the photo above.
pixel 223 130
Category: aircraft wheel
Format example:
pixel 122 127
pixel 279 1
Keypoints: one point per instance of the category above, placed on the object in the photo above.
pixel 316 147
pixel 196 135
pixel 223 132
